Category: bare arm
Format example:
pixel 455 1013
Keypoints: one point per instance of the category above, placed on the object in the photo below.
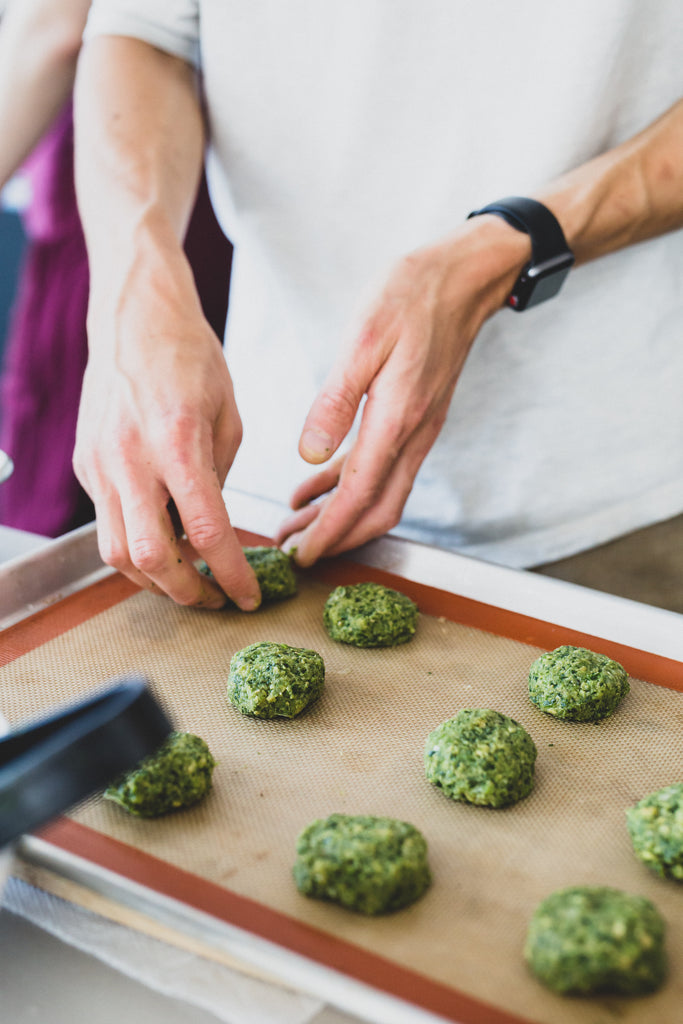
pixel 413 343
pixel 158 421
pixel 627 195
pixel 39 45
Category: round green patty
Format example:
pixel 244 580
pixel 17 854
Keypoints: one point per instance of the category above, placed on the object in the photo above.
pixel 269 679
pixel 177 775
pixel 576 684
pixel 481 757
pixel 655 825
pixel 273 569
pixel 370 615
pixel 367 864
pixel 589 940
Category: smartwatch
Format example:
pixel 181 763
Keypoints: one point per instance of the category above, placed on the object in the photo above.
pixel 551 257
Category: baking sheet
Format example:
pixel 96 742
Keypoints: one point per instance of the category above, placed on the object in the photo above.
pixel 359 750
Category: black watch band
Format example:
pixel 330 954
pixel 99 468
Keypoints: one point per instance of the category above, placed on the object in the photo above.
pixel 551 257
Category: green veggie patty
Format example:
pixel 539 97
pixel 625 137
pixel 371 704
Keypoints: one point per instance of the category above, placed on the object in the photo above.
pixel 177 775
pixel 589 940
pixel 271 679
pixel 274 572
pixel 372 865
pixel 655 826
pixel 370 615
pixel 576 684
pixel 481 757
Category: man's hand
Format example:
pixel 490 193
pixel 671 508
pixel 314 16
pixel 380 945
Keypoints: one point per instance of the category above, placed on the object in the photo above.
pixel 409 353
pixel 406 359
pixel 158 424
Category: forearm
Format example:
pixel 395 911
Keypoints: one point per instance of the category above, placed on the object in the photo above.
pixel 137 163
pixel 626 195
pixel 39 45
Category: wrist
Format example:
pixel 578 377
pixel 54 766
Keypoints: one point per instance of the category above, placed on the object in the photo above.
pixel 142 267
pixel 499 254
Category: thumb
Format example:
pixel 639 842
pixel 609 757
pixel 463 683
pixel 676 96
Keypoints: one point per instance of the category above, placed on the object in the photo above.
pixel 332 414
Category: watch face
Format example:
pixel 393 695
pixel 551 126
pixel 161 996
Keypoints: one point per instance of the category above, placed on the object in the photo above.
pixel 540 282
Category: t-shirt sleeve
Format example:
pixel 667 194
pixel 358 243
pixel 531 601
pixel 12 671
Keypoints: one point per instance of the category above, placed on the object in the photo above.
pixel 170 25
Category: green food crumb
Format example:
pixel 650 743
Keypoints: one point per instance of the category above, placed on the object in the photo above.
pixel 271 679
pixel 481 757
pixel 370 615
pixel 372 865
pixel 591 940
pixel 273 569
pixel 655 826
pixel 177 775
pixel 576 684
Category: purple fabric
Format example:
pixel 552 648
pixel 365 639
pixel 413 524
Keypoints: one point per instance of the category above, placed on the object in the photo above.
pixel 46 350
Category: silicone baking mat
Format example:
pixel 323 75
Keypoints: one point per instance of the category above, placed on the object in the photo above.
pixel 359 750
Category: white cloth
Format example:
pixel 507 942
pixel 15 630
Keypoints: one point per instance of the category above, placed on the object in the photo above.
pixel 232 997
pixel 344 135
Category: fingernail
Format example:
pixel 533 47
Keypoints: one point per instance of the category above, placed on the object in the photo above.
pixel 289 546
pixel 301 556
pixel 250 604
pixel 315 445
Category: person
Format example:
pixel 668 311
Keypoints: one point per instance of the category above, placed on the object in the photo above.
pixel 46 346
pixel 46 339
pixel 346 146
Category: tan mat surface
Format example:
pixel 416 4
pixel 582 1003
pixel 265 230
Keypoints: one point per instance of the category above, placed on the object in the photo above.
pixel 359 751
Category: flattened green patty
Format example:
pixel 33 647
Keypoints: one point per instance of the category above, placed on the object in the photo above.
pixel 274 572
pixel 268 679
pixel 367 864
pixel 370 615
pixel 481 757
pixel 589 940
pixel 655 825
pixel 177 775
pixel 576 684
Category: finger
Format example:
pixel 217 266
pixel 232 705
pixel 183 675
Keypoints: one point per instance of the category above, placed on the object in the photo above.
pixel 207 525
pixel 154 551
pixel 361 481
pixel 294 524
pixel 112 542
pixel 332 414
pixel 373 489
pixel 227 437
pixel 317 485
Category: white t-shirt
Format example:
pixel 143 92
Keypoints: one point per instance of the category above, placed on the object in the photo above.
pixel 344 135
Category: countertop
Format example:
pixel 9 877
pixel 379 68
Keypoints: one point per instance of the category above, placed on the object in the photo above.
pixel 42 978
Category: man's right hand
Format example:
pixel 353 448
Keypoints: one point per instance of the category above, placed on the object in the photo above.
pixel 158 427
pixel 158 424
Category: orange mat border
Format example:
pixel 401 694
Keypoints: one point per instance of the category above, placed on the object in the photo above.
pixel 248 914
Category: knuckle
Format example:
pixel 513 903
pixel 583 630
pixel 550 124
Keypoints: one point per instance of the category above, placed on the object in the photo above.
pixel 112 552
pixel 365 495
pixel 205 532
pixel 147 554
pixel 340 401
pixel 187 597
pixel 387 520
